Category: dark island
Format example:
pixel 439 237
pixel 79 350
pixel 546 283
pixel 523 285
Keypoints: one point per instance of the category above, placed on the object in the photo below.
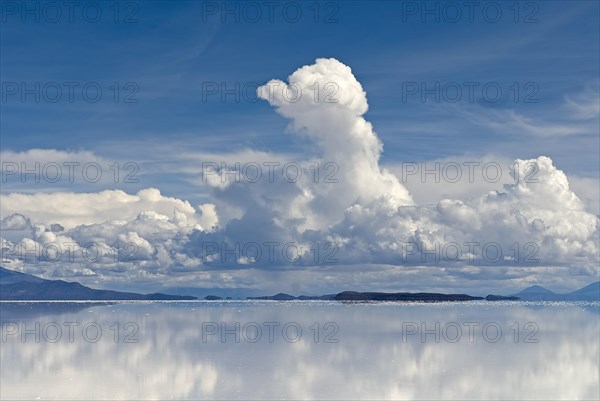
pixel 403 296
pixel 287 297
pixel 277 297
pixel 353 296
pixel 501 298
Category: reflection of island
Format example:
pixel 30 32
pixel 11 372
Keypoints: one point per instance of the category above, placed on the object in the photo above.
pixel 15 286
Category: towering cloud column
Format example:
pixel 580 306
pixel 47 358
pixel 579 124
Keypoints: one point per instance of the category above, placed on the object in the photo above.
pixel 326 104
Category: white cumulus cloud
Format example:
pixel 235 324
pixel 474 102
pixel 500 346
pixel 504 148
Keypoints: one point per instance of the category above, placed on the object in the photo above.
pixel 353 204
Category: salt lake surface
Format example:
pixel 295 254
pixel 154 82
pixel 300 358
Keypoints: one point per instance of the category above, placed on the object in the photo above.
pixel 300 350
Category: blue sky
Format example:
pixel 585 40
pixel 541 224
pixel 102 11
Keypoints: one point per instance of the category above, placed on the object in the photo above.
pixel 169 51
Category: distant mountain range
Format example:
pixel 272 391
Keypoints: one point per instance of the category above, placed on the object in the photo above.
pixel 533 293
pixel 15 286
pixel 539 293
pixel 20 286
pixel 382 296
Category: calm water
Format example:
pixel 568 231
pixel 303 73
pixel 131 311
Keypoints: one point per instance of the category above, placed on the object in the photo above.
pixel 300 350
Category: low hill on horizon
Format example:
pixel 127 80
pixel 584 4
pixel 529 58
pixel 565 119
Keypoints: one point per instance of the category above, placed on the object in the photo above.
pixel 16 286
